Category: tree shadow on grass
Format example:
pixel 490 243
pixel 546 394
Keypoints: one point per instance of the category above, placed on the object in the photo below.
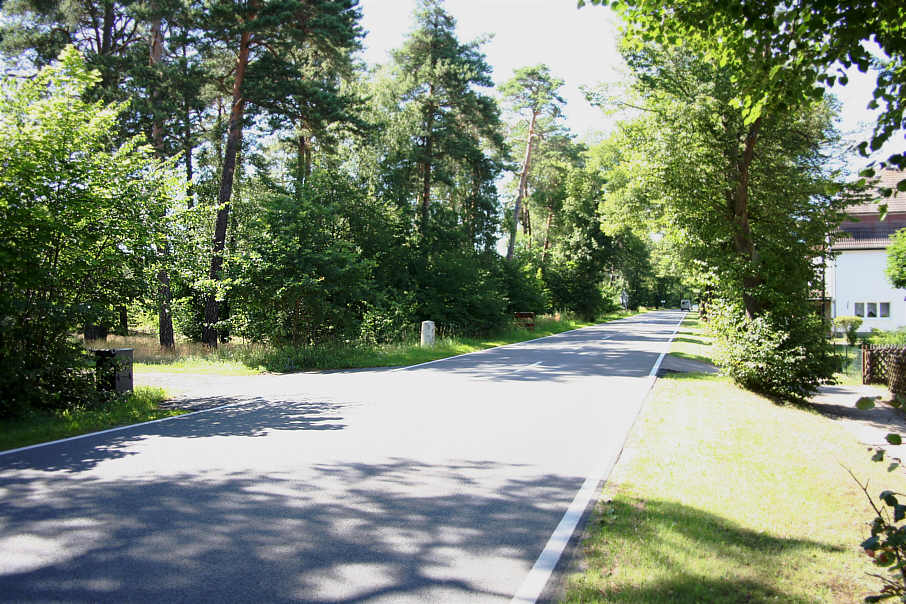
pixel 691 340
pixel 677 541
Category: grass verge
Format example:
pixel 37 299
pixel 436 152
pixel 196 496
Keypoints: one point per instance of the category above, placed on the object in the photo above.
pixel 692 340
pixel 723 496
pixel 248 358
pixel 140 406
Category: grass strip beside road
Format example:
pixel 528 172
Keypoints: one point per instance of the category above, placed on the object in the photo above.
pixel 142 405
pixel 692 340
pixel 723 496
pixel 247 359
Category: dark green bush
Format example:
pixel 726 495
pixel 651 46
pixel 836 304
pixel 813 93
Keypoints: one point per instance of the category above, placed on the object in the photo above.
pixel 55 373
pixel 524 287
pixel 574 287
pixel 785 358
pixel 387 322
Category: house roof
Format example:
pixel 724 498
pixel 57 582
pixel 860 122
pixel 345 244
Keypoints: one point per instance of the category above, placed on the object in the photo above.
pixel 873 235
pixel 896 202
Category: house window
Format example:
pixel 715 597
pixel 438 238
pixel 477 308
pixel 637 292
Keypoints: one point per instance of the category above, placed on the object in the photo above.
pixel 872 310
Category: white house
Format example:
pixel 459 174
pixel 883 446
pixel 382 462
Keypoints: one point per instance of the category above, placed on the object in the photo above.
pixel 856 283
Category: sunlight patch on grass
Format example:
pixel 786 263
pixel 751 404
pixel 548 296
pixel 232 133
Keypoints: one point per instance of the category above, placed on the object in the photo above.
pixel 139 406
pixel 723 496
pixel 199 365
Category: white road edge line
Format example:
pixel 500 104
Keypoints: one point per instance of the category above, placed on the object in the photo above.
pixel 533 585
pixel 118 429
pixel 553 335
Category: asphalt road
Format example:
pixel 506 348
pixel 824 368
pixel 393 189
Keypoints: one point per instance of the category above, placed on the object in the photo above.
pixel 437 483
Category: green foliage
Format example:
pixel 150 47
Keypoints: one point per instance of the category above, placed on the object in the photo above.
pixel 456 286
pixel 307 279
pixel 583 253
pixel 757 222
pixel 785 357
pixel 896 259
pixel 525 290
pixel 781 75
pixel 443 133
pixel 387 322
pixel 78 219
pixel 850 325
pixel 887 544
pixel 896 337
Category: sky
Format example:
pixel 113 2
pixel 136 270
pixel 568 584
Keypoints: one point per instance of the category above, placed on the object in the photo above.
pixel 579 45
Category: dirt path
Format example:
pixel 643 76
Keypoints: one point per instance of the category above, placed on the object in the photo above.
pixel 868 426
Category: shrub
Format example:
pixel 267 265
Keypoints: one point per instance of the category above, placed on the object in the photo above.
pixel 849 325
pixel 78 220
pixel 573 287
pixel 524 288
pixel 43 376
pixel 785 359
pixel 390 321
pixel 887 338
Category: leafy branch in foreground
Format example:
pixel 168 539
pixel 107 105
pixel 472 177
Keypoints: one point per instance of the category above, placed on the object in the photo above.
pixel 887 544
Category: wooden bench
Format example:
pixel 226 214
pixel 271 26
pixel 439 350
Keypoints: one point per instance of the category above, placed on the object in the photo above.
pixel 525 319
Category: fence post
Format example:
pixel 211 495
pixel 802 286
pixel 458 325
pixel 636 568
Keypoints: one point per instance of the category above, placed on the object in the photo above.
pixel 866 364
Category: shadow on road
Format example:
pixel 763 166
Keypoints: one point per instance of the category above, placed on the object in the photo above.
pixel 272 538
pixel 255 418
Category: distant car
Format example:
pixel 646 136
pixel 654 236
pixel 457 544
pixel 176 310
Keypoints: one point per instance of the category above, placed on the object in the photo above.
pixel 685 305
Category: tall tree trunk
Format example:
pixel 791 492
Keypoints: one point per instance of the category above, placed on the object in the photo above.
pixel 303 160
pixel 547 234
pixel 164 312
pixel 107 29
pixel 123 327
pixel 523 185
pixel 234 141
pixel 428 160
pixel 187 152
pixel 165 316
pixel 157 50
pixel 187 145
pixel 472 205
pixel 742 231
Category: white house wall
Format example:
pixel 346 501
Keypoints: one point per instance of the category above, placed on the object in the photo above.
pixel 858 276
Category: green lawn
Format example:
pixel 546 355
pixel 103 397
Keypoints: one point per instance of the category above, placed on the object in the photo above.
pixel 692 340
pixel 140 406
pixel 246 359
pixel 723 496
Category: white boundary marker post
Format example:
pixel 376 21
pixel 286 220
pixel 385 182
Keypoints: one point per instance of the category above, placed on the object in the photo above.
pixel 533 585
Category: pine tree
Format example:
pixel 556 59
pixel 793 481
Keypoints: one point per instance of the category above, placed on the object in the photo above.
pixel 262 34
pixel 438 76
pixel 532 92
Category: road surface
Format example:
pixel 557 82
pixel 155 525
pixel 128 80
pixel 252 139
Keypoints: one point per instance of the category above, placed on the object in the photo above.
pixel 437 483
